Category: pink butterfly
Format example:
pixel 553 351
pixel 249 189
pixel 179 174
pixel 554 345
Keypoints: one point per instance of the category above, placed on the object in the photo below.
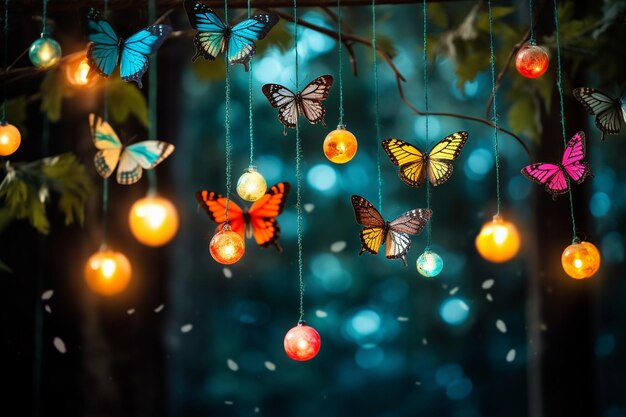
pixel 554 176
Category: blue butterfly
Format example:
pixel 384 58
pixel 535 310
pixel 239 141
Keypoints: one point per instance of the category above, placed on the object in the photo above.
pixel 107 48
pixel 130 160
pixel 215 37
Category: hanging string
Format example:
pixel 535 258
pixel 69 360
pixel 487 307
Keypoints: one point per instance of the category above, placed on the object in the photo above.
pixel 559 85
pixel 227 121
pixel 44 17
pixel 495 110
pixel 377 108
pixel 105 181
pixel 152 101
pixel 531 38
pixel 299 170
pixel 5 64
pixel 250 104
pixel 340 55
pixel 426 109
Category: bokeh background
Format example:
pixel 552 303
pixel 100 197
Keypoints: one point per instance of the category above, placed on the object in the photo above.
pixel 191 337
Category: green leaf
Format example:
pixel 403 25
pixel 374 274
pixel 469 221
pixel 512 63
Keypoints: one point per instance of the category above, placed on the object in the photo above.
pixel 279 37
pixel 53 90
pixel 522 116
pixel 437 15
pixel 206 70
pixel 16 112
pixel 126 99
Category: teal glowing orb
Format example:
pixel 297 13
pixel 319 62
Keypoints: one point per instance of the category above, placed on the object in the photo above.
pixel 429 264
pixel 44 53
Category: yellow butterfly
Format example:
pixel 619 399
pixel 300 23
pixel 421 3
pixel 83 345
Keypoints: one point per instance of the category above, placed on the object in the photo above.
pixel 414 163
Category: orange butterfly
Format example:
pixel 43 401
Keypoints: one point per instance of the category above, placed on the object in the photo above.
pixel 258 220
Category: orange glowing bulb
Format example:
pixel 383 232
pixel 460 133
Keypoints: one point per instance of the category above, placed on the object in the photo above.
pixel 227 246
pixel 153 220
pixel 302 342
pixel 77 72
pixel 340 145
pixel 10 139
pixel 498 241
pixel 532 60
pixel 107 272
pixel 581 260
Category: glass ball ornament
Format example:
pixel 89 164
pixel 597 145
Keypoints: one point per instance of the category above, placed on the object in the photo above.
pixel 153 220
pixel 227 246
pixel 10 139
pixel 77 72
pixel 498 240
pixel 429 264
pixel 532 60
pixel 251 185
pixel 340 145
pixel 44 52
pixel 107 272
pixel 302 342
pixel 581 260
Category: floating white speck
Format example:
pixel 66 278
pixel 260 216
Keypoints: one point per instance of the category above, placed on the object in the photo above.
pixel 488 284
pixel 463 305
pixel 489 297
pixel 232 365
pixel 227 273
pixel 510 356
pixel 424 341
pixel 454 290
pixel 186 328
pixel 270 366
pixel 257 409
pixel 47 308
pixel 338 246
pixel 47 295
pixel 418 383
pixel 321 314
pixel 159 308
pixel 130 311
pixel 501 326
pixel 402 318
pixel 444 286
pixel 59 345
pixel 544 327
pixel 309 207
pixel 227 402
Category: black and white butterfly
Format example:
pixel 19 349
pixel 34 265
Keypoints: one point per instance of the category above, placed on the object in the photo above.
pixel 307 102
pixel 394 234
pixel 609 111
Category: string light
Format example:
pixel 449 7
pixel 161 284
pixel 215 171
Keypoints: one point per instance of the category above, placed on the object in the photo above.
pixel 10 139
pixel 153 220
pixel 77 72
pixel 340 145
pixel 45 52
pixel 532 60
pixel 581 260
pixel 227 247
pixel 302 342
pixel 108 272
pixel 251 185
pixel 498 240
pixel 429 264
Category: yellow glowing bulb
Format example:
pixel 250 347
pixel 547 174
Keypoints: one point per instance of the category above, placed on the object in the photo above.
pixel 498 241
pixel 251 185
pixel 77 72
pixel 581 260
pixel 153 220
pixel 108 272
pixel 340 145
pixel 10 139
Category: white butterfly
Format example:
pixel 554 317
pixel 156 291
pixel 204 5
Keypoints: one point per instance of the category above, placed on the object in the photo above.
pixel 130 160
pixel 306 102
pixel 609 111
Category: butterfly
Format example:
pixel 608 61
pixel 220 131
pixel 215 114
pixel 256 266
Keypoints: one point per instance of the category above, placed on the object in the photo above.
pixel 130 160
pixel 414 164
pixel 259 220
pixel 609 111
pixel 554 176
pixel 107 48
pixel 215 37
pixel 306 102
pixel 393 234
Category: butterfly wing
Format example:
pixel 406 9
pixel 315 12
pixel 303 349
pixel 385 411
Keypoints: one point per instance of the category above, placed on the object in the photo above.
pixel 410 223
pixel 408 158
pixel 103 51
pixel 241 47
pixel 572 157
pixel 284 100
pixel 549 175
pixel 215 206
pixel 441 156
pixel 210 39
pixel 263 215
pixel 135 51
pixel 140 156
pixel 606 109
pixel 311 97
pixel 105 139
pixel 373 234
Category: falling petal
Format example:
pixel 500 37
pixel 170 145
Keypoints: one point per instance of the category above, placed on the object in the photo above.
pixel 424 341
pixel 321 314
pixel 510 356
pixel 159 308
pixel 232 365
pixel 501 326
pixel 229 402
pixel 454 290
pixel 47 308
pixel 309 207
pixel 47 295
pixel 402 318
pixel 489 297
pixel 130 311
pixel 59 345
pixel 227 273
pixel 488 284
pixel 270 366
pixel 338 246
pixel 186 328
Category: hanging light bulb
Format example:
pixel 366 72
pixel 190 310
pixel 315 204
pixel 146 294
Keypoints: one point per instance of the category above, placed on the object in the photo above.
pixel 498 241
pixel 77 72
pixel 429 264
pixel 251 185
pixel 581 260
pixel 107 272
pixel 532 60
pixel 153 220
pixel 302 342
pixel 340 145
pixel 227 246
pixel 44 52
pixel 10 139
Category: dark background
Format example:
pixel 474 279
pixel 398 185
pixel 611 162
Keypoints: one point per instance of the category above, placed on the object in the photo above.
pixel 567 335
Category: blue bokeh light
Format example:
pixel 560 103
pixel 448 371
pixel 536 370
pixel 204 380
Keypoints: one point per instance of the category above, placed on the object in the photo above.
pixel 330 274
pixel 519 188
pixel 605 344
pixel 454 311
pixel 434 128
pixel 459 389
pixel 600 204
pixel 447 374
pixel 322 177
pixel 369 356
pixel 478 164
pixel 271 167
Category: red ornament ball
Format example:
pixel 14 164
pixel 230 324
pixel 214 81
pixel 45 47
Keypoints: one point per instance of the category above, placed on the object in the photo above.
pixel 532 60
pixel 227 246
pixel 302 342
